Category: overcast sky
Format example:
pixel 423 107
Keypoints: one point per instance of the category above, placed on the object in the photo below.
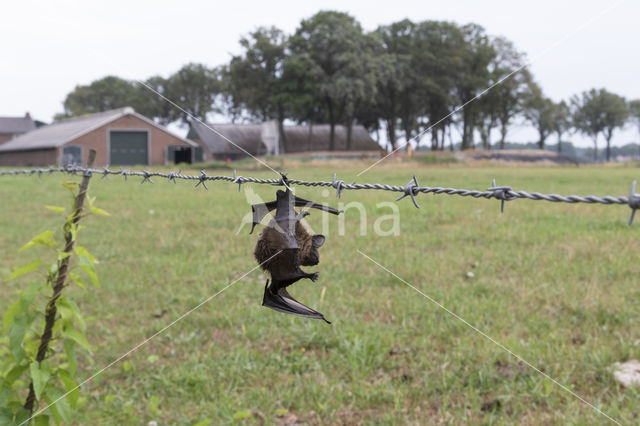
pixel 48 47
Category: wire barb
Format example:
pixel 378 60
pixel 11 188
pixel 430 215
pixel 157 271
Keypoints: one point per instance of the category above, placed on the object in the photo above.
pixel 202 178
pixel 337 184
pixel 172 176
pixel 146 177
pixel 502 193
pixel 411 189
pixel 238 179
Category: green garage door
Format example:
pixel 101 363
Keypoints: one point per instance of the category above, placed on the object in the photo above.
pixel 128 147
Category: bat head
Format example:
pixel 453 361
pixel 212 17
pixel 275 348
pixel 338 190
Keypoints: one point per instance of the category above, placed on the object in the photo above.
pixel 309 254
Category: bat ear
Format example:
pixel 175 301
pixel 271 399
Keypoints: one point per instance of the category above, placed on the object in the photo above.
pixel 317 240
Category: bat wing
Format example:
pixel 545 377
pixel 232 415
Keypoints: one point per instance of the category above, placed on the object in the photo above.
pixel 301 202
pixel 280 300
pixel 260 211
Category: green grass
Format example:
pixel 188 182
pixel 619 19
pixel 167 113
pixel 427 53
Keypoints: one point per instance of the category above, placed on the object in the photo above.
pixel 555 283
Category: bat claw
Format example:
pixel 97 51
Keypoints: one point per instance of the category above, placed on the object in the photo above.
pixel 302 214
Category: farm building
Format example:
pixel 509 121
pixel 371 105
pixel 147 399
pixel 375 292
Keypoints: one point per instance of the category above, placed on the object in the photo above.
pixel 257 139
pixel 120 137
pixel 10 127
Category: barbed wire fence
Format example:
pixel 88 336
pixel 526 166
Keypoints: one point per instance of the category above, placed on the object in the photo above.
pixel 411 189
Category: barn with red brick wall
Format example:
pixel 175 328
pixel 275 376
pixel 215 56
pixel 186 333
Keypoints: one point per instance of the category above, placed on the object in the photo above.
pixel 120 137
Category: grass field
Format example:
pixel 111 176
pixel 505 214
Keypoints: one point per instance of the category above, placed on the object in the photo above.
pixel 555 283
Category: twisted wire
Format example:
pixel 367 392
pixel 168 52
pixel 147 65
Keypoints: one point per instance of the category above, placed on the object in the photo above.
pixel 412 189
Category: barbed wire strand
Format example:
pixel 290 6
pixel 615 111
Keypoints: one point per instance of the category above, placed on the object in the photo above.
pixel 412 189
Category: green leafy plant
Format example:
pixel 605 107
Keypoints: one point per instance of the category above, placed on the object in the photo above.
pixel 38 347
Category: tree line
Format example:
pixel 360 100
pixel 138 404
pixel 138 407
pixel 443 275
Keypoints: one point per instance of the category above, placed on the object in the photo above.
pixel 402 79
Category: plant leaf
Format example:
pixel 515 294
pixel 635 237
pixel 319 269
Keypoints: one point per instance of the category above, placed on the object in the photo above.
pixel 70 386
pixel 21 415
pixel 98 211
pixel 25 269
pixel 40 373
pixel 76 336
pixel 83 252
pixel 69 308
pixel 70 351
pixel 41 420
pixel 70 185
pixel 30 293
pixel 45 238
pixel 91 272
pixel 63 255
pixel 60 410
pixel 10 315
pixel 14 374
pixel 55 209
pixel 16 335
pixel 76 279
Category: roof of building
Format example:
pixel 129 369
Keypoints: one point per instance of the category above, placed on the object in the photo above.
pixel 16 125
pixel 299 138
pixel 229 138
pixel 64 131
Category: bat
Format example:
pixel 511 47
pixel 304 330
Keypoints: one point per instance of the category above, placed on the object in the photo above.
pixel 283 246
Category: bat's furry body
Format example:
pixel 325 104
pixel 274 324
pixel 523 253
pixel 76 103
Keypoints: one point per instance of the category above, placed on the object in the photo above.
pixel 270 238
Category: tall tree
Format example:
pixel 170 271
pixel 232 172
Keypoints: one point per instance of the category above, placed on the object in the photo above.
pixel 194 87
pixel 394 76
pixel 226 102
pixel 157 107
pixel 107 93
pixel 487 116
pixel 599 111
pixel 256 76
pixel 332 43
pixel 358 82
pixel 434 53
pixel 560 121
pixel 538 110
pixel 471 75
pixel 587 117
pixel 302 91
pixel 512 87
pixel 615 115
